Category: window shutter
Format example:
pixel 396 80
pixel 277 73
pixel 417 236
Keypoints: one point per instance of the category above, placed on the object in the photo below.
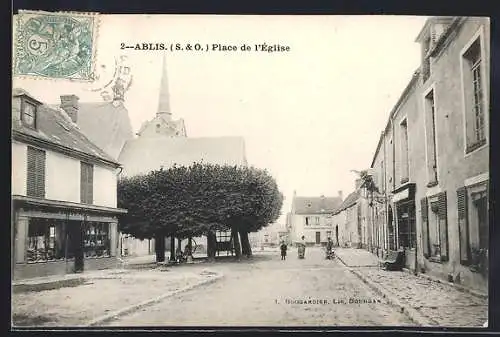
pixel 86 183
pixel 31 174
pixel 40 170
pixel 35 184
pixel 443 225
pixel 425 227
pixel 463 225
pixel 90 184
pixel 83 182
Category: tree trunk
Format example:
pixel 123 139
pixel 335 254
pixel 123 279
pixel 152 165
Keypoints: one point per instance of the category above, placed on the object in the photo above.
pixel 190 246
pixel 246 249
pixel 172 248
pixel 160 247
pixel 236 243
pixel 211 243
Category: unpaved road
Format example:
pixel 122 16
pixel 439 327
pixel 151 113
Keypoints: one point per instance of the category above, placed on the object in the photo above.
pixel 266 291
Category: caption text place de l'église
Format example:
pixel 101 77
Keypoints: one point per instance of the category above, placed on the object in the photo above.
pixel 206 47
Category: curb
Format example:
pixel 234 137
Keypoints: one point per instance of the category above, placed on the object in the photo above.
pixel 122 312
pixel 451 284
pixel 413 314
pixel 47 285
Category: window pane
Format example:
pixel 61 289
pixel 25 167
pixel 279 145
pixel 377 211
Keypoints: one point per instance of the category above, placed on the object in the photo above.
pixel 29 113
pixel 46 240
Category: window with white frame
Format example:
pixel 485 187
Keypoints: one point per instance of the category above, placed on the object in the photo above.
pixel 316 220
pixel 306 219
pixel 474 93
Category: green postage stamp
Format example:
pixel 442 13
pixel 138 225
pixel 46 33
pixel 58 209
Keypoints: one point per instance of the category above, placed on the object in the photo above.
pixel 55 45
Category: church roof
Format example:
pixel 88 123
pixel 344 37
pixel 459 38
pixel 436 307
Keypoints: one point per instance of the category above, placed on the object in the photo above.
pixel 315 205
pixel 175 125
pixel 107 125
pixel 55 126
pixel 144 154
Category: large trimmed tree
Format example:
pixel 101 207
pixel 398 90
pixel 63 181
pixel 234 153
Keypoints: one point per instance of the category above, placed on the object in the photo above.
pixel 198 200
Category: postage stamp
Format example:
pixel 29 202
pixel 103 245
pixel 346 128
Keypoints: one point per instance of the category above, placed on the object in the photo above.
pixel 55 45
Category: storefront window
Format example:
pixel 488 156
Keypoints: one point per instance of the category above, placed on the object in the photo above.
pixel 406 225
pixel 46 240
pixel 96 240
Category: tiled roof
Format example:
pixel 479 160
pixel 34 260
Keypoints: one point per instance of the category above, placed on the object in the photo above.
pixel 144 154
pixel 315 205
pixel 348 202
pixel 56 127
pixel 105 124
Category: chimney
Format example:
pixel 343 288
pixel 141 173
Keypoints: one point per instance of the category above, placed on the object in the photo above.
pixel 358 183
pixel 69 103
pixel 340 195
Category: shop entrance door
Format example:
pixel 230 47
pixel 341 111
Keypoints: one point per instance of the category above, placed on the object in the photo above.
pixel 75 236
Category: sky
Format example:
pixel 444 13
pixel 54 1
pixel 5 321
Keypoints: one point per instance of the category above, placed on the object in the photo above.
pixel 309 116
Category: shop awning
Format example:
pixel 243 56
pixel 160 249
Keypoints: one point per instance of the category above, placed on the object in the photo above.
pixel 65 205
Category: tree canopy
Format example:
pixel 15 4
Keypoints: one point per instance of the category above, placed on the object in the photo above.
pixel 191 201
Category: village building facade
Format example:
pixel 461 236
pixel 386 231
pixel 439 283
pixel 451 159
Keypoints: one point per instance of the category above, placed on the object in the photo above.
pixel 64 194
pixel 431 166
pixel 311 217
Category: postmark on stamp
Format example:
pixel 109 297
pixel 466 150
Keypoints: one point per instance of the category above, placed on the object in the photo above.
pixel 55 45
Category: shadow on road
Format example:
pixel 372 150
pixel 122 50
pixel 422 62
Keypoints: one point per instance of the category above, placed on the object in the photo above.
pixel 256 258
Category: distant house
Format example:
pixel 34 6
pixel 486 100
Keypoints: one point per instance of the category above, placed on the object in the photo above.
pixel 64 197
pixel 271 235
pixel 311 217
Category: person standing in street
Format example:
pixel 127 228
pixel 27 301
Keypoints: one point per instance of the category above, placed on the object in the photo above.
pixel 302 248
pixel 329 248
pixel 283 248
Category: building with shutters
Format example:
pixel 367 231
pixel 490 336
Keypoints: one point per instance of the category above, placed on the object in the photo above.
pixel 311 217
pixel 431 164
pixel 64 202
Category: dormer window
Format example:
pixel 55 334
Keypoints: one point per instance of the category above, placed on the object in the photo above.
pixel 28 113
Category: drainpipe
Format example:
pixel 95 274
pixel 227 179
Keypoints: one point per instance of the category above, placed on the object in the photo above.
pixel 119 236
pixel 386 208
pixel 395 213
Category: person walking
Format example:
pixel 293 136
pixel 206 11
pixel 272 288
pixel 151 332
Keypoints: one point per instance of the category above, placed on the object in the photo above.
pixel 329 248
pixel 302 247
pixel 283 248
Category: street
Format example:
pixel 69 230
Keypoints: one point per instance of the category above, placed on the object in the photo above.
pixel 266 291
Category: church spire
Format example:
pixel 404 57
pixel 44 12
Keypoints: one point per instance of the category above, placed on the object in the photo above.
pixel 164 97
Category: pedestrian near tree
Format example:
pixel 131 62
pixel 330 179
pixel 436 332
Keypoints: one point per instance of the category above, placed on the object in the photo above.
pixel 283 248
